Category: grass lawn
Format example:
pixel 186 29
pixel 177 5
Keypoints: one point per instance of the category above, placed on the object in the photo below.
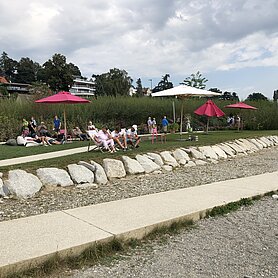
pixel 145 146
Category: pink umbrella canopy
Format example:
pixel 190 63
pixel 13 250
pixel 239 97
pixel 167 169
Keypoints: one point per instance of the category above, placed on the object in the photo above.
pixel 209 109
pixel 241 105
pixel 65 98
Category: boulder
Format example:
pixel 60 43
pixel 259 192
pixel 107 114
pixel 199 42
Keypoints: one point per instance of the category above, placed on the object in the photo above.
pixel 248 143
pixel 236 147
pixel 132 166
pixel 169 159
pixel 87 185
pixel 227 149
pixel 261 142
pixel 167 168
pixel 90 166
pixel 196 154
pixel 190 164
pixel 181 156
pixel 2 192
pixel 273 139
pixel 244 146
pixel 208 152
pixel 147 164
pixel 221 154
pixel 267 141
pixel 200 162
pixel 256 143
pixel 22 184
pixel 81 174
pixel 54 177
pixel 156 158
pixel 114 168
pixel 100 175
pixel 1 175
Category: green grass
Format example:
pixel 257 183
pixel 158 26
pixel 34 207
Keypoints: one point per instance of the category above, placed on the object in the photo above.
pixel 145 146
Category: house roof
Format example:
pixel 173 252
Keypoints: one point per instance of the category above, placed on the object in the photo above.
pixel 3 80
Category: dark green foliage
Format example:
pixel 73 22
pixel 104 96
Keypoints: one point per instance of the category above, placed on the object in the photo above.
pixel 275 95
pixel 8 67
pixel 139 88
pixel 164 84
pixel 256 96
pixel 229 96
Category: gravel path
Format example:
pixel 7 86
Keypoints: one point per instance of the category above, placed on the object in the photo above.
pixel 50 200
pixel 241 244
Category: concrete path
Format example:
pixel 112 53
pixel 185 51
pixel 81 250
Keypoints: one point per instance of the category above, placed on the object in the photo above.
pixel 37 157
pixel 29 241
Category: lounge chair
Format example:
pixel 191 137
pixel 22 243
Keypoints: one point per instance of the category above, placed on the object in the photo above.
pixel 92 142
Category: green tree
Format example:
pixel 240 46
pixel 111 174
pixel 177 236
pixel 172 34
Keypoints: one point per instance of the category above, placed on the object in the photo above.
pixel 27 71
pixel 139 87
pixel 229 96
pixel 275 95
pixel 113 83
pixel 8 67
pixel 256 96
pixel 195 80
pixel 57 73
pixel 164 84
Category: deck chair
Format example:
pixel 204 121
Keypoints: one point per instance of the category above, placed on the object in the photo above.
pixel 92 141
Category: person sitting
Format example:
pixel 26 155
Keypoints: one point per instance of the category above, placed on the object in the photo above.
pixel 105 139
pixel 91 126
pixel 32 127
pixel 132 137
pixel 79 134
pixel 119 138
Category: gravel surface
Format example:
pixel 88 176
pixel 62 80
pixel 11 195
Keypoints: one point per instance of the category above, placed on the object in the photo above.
pixel 242 244
pixel 49 200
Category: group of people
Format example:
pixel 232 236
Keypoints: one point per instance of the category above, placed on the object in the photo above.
pixel 233 120
pixel 119 138
pixel 152 128
pixel 31 132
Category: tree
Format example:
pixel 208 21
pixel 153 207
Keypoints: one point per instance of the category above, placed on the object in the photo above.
pixel 57 73
pixel 195 80
pixel 139 87
pixel 229 96
pixel 113 83
pixel 27 71
pixel 164 84
pixel 275 95
pixel 256 96
pixel 8 67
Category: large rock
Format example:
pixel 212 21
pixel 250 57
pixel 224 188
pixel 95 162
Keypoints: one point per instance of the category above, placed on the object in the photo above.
pixel 221 154
pixel 90 166
pixel 199 162
pixel 114 168
pixel 243 145
pixel 2 192
pixel 236 147
pixel 156 158
pixel 100 175
pixel 167 168
pixel 190 164
pixel 181 156
pixel 267 141
pixel 273 139
pixel 227 149
pixel 22 184
pixel 81 174
pixel 256 143
pixel 54 177
pixel 262 142
pixel 169 159
pixel 248 143
pixel 208 152
pixel 196 154
pixel 147 164
pixel 132 166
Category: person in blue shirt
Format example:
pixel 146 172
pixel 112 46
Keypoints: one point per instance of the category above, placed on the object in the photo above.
pixel 57 124
pixel 165 124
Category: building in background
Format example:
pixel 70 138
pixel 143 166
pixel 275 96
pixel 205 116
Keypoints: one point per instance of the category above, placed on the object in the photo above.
pixel 82 87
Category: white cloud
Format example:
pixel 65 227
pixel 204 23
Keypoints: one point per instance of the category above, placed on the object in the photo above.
pixel 147 38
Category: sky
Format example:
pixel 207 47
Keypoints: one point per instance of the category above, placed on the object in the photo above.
pixel 233 43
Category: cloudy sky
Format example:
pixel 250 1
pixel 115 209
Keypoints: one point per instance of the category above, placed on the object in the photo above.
pixel 234 43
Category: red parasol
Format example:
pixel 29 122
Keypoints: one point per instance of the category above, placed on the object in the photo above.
pixel 209 109
pixel 241 105
pixel 66 98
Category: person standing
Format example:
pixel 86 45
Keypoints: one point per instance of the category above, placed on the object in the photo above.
pixel 57 124
pixel 150 125
pixel 165 124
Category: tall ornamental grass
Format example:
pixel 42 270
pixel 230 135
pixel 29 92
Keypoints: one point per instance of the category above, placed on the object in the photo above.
pixel 126 111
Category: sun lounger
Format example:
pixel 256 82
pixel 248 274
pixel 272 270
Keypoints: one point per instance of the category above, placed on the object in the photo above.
pixel 92 142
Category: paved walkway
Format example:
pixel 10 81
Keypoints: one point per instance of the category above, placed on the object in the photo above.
pixel 37 157
pixel 29 241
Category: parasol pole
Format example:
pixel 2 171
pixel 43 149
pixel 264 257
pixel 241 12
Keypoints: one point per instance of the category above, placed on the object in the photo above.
pixel 174 111
pixel 181 119
pixel 65 122
pixel 208 124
